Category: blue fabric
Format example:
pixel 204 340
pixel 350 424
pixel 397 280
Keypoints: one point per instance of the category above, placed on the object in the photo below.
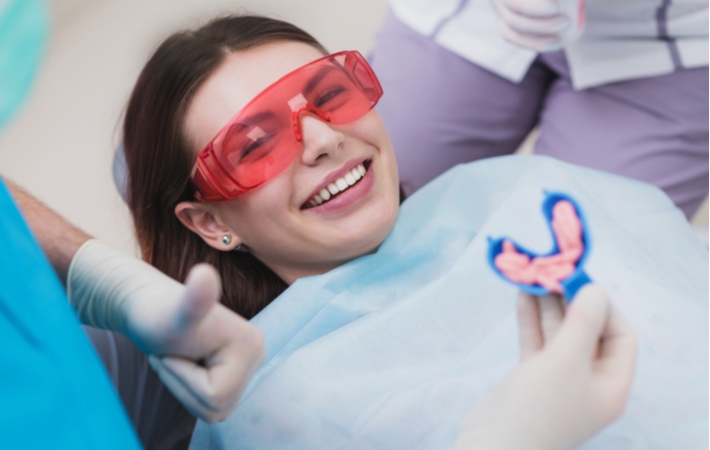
pixel 572 283
pixel 54 392
pixel 24 27
pixel 392 350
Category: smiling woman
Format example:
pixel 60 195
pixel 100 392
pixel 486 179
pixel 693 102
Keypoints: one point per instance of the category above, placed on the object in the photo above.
pixel 383 325
pixel 316 126
pixel 159 155
pixel 307 219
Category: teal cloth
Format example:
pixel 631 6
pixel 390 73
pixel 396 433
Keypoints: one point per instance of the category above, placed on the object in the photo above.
pixel 24 28
pixel 392 350
pixel 54 391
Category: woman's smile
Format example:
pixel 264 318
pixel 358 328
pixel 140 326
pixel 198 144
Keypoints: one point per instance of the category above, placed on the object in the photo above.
pixel 342 188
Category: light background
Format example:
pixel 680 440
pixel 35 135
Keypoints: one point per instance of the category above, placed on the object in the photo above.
pixel 60 146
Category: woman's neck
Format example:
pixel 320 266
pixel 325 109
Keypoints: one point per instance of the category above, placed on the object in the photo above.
pixel 289 272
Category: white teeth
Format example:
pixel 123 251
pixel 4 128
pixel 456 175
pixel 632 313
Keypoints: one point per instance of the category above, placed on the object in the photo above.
pixel 339 185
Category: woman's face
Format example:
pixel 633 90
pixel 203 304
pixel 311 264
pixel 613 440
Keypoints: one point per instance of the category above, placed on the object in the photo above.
pixel 277 221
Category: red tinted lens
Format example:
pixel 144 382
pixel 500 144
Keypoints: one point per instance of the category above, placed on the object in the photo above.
pixel 260 141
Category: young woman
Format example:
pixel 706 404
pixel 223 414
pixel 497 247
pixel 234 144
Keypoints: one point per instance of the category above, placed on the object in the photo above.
pixel 297 194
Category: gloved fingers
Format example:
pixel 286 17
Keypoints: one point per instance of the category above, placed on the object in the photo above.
pixel 617 355
pixel 202 291
pixel 539 43
pixel 531 8
pixel 529 330
pixel 616 363
pixel 190 383
pixel 586 318
pixel 532 21
pixel 212 391
pixel 551 315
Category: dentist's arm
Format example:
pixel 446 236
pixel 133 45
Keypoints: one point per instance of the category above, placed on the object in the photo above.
pixel 203 352
pixel 574 377
pixel 59 239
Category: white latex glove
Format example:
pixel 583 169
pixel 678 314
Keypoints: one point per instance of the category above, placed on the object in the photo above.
pixel 540 25
pixel 203 352
pixel 573 379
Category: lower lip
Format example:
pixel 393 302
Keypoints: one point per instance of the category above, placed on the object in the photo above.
pixel 349 197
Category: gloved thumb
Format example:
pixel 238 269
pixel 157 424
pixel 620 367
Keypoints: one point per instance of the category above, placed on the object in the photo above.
pixel 202 291
pixel 584 322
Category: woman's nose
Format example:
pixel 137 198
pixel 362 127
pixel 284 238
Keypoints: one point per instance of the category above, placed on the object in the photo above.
pixel 319 139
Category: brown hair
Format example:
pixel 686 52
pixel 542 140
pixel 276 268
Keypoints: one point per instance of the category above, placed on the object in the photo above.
pixel 159 159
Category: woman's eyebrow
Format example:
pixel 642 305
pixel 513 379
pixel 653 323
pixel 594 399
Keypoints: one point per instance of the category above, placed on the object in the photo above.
pixel 315 79
pixel 257 118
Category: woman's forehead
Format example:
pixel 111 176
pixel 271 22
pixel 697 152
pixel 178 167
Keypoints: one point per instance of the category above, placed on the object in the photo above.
pixel 237 80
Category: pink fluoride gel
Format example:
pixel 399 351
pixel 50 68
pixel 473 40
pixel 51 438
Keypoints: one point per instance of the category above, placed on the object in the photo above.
pixel 547 271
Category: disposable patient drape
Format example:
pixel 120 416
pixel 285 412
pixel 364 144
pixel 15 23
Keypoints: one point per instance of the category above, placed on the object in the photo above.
pixel 392 350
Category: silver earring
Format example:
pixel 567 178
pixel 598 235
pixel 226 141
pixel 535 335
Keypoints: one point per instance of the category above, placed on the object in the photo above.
pixel 226 239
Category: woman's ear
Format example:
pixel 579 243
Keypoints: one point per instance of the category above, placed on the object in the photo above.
pixel 205 222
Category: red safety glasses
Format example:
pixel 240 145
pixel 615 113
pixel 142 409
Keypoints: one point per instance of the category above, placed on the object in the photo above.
pixel 262 139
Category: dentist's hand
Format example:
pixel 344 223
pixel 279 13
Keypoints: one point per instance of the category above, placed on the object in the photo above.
pixel 574 377
pixel 203 352
pixel 209 353
pixel 533 24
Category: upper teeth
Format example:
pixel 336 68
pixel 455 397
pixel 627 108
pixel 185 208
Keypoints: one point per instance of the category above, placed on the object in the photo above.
pixel 339 185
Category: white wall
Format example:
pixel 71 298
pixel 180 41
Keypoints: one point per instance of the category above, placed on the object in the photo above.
pixel 60 146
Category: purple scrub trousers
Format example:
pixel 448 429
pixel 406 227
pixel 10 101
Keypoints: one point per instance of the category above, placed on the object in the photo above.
pixel 442 110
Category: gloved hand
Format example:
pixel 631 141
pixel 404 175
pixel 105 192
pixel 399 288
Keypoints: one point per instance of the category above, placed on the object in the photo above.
pixel 574 377
pixel 540 25
pixel 203 352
